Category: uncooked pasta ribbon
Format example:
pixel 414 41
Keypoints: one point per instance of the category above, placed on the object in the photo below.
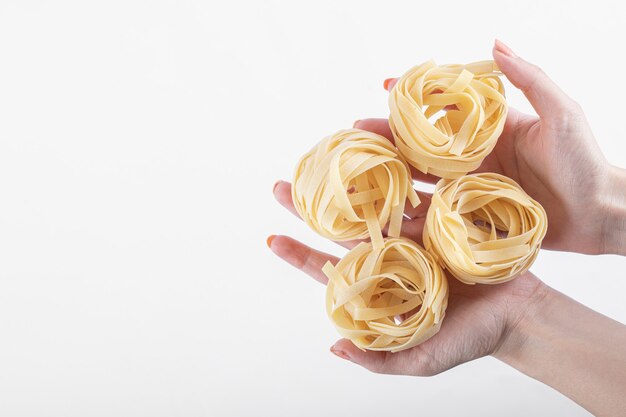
pixel 351 185
pixel 389 299
pixel 446 119
pixel 484 228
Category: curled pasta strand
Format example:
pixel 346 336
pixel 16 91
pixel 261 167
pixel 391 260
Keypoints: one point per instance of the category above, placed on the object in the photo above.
pixel 484 228
pixel 351 185
pixel 389 299
pixel 469 98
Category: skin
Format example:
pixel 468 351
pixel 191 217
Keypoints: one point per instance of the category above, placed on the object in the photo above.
pixel 524 323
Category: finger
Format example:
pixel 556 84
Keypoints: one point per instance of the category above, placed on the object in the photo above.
pixel 282 193
pixel 411 228
pixel 376 361
pixel 389 83
pixel 306 259
pixel 378 126
pixel 505 146
pixel 419 211
pixel 548 100
pixel 512 124
pixel 381 127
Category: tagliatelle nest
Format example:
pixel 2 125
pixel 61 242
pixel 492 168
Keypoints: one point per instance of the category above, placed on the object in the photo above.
pixel 351 185
pixel 471 98
pixel 389 299
pixel 484 228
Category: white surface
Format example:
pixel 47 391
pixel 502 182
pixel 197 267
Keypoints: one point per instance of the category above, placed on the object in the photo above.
pixel 139 143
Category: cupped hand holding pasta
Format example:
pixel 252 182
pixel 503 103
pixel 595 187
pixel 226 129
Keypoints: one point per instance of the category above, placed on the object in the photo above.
pixel 351 185
pixel 389 299
pixel 470 102
pixel 484 228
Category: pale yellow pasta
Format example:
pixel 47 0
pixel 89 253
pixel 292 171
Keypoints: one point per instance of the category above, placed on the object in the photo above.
pixel 351 185
pixel 484 228
pixel 470 102
pixel 389 299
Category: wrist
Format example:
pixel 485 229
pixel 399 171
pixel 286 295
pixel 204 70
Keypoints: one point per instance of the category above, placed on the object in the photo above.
pixel 519 327
pixel 571 348
pixel 613 234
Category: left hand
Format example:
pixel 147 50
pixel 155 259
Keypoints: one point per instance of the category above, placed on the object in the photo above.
pixel 477 321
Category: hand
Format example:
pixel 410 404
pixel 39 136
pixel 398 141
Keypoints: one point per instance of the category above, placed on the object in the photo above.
pixel 522 322
pixel 478 317
pixel 477 321
pixel 556 159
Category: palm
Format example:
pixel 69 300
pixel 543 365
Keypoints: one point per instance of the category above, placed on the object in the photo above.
pixel 530 152
pixel 474 325
pixel 475 322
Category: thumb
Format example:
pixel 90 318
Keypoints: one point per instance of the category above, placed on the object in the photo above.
pixel 376 361
pixel 548 100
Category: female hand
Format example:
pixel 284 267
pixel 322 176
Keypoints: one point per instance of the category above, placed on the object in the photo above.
pixel 522 322
pixel 478 317
pixel 477 320
pixel 556 159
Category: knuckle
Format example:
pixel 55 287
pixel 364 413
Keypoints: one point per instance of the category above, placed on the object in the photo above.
pixel 539 71
pixel 568 114
pixel 536 78
pixel 536 70
pixel 575 107
pixel 424 369
pixel 377 368
pixel 384 364
pixel 304 260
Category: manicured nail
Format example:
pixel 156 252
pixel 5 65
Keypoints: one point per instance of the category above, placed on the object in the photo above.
pixel 276 185
pixel 269 240
pixel 340 353
pixel 386 83
pixel 502 48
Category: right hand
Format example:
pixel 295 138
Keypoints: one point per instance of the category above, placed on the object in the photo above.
pixel 556 160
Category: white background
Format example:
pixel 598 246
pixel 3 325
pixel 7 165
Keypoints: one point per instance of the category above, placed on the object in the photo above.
pixel 139 142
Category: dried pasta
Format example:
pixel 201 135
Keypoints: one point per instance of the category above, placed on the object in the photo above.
pixel 484 228
pixel 351 185
pixel 472 99
pixel 389 299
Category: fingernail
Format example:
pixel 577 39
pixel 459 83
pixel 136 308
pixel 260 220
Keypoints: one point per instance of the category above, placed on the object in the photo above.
pixel 502 48
pixel 355 123
pixel 269 240
pixel 276 185
pixel 340 353
pixel 386 83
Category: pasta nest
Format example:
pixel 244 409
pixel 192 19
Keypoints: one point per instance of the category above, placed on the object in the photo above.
pixel 470 102
pixel 389 299
pixel 484 228
pixel 351 185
